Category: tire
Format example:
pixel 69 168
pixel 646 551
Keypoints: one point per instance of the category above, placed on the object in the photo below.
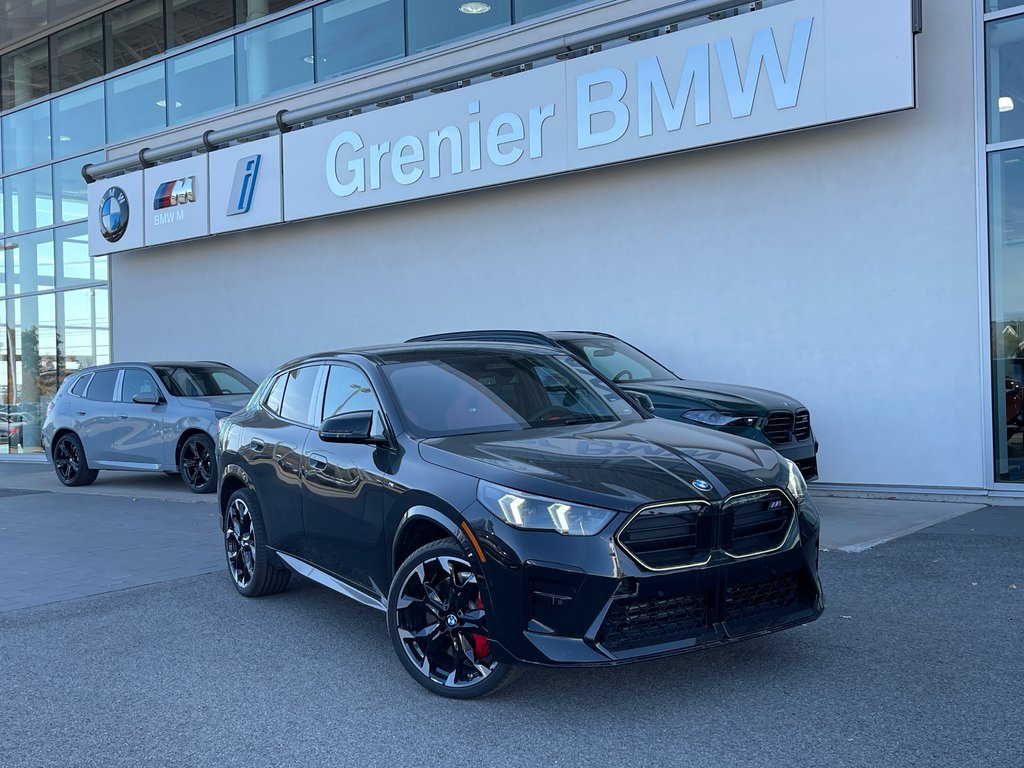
pixel 245 546
pixel 198 464
pixel 69 462
pixel 444 661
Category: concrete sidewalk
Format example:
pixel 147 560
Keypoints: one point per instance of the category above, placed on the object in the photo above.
pixel 848 524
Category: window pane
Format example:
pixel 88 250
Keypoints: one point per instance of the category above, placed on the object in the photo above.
pixel 136 104
pixel 26 137
pixel 28 200
pixel 1006 245
pixel 275 58
pixel 3 209
pixel 999 5
pixel 275 395
pixel 69 189
pixel 32 267
pixel 78 121
pixel 193 19
pixel 77 53
pixel 352 34
pixel 257 9
pixel 102 386
pixel 201 82
pixel 348 390
pixel 135 32
pixel 74 266
pixel 531 9
pixel 1005 101
pixel 298 393
pixel 25 74
pixel 34 373
pixel 433 24
pixel 137 382
pixel 85 329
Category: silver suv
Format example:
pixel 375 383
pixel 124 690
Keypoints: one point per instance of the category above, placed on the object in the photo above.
pixel 142 416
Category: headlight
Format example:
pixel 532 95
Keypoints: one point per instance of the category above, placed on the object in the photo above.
pixel 536 513
pixel 795 483
pixel 719 419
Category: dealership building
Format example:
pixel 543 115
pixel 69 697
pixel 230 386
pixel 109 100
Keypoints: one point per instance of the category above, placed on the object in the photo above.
pixel 819 197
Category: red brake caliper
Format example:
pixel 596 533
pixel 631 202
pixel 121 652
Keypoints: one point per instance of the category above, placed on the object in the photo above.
pixel 480 646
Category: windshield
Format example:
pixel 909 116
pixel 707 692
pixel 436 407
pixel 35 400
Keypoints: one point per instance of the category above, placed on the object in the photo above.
pixel 616 360
pixel 203 380
pixel 469 392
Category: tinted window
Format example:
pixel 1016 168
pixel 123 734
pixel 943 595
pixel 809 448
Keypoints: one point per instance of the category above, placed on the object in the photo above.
pixel 348 390
pixel 81 384
pixel 618 361
pixel 137 382
pixel 493 391
pixel 298 393
pixel 102 386
pixel 204 380
pixel 275 395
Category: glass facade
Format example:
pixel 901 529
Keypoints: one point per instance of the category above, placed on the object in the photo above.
pixel 1004 126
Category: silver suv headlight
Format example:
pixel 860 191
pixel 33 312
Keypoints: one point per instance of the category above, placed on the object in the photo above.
pixel 536 513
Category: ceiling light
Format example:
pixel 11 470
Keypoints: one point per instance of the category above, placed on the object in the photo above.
pixel 308 59
pixel 474 8
pixel 65 138
pixel 1005 104
pixel 163 103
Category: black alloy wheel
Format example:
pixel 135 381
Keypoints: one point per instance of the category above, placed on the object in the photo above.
pixel 69 462
pixel 198 464
pixel 245 547
pixel 438 624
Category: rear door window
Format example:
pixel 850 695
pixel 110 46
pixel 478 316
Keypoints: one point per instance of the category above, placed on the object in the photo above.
pixel 101 387
pixel 272 402
pixel 298 393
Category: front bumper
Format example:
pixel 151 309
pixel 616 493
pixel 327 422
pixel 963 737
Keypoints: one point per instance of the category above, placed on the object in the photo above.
pixel 582 601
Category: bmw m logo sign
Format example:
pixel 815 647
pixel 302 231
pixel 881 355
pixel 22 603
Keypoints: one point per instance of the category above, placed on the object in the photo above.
pixel 701 485
pixel 177 192
pixel 113 214
pixel 244 185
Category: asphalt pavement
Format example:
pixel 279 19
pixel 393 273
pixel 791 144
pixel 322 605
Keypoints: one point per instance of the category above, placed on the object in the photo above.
pixel 155 660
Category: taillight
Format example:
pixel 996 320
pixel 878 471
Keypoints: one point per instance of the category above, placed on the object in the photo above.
pixel 49 407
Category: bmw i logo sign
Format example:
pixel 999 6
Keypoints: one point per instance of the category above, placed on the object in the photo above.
pixel 701 485
pixel 113 214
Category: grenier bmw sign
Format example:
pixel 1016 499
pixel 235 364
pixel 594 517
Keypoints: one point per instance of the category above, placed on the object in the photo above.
pixel 800 64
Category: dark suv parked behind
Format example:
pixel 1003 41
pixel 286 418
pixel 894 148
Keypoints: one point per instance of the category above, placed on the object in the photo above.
pixel 142 416
pixel 774 419
pixel 505 506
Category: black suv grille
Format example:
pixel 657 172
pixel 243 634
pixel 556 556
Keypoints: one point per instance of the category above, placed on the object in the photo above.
pixel 664 536
pixel 802 425
pixel 634 624
pixel 752 598
pixel 779 427
pixel 760 522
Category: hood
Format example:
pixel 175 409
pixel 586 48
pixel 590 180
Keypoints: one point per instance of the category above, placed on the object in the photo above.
pixel 230 403
pixel 732 397
pixel 619 465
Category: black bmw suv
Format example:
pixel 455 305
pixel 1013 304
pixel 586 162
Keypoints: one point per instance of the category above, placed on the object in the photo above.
pixel 778 420
pixel 504 506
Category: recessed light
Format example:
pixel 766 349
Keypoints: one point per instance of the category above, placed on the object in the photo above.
pixel 1005 104
pixel 65 138
pixel 474 8
pixel 163 103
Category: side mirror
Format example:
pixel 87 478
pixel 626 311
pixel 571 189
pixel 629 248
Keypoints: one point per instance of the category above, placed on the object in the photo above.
pixel 351 427
pixel 147 398
pixel 644 401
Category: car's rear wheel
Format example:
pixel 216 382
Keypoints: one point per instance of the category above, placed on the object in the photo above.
pixel 198 464
pixel 245 545
pixel 438 625
pixel 69 462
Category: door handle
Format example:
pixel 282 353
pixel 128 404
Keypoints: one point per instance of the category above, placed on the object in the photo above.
pixel 122 415
pixel 80 413
pixel 257 445
pixel 317 462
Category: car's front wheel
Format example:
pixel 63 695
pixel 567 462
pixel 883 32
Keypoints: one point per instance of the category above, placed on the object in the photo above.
pixel 438 625
pixel 198 464
pixel 69 462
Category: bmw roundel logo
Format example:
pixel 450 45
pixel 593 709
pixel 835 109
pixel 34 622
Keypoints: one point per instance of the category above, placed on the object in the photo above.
pixel 451 621
pixel 113 214
pixel 701 485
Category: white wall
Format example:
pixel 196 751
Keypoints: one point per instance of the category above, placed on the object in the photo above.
pixel 839 265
